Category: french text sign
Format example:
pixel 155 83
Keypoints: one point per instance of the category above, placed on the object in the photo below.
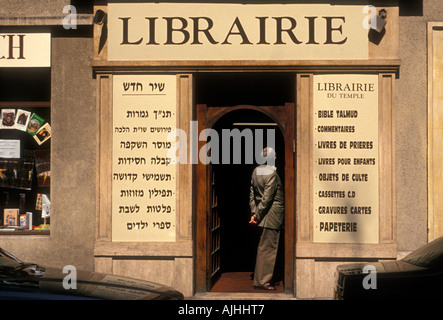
pixel 25 50
pixel 345 155
pixel 190 31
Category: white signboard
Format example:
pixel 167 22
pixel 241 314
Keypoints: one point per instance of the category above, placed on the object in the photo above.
pixel 9 149
pixel 190 31
pixel 144 178
pixel 25 49
pixel 345 153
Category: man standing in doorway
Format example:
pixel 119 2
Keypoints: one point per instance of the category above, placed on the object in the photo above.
pixel 267 205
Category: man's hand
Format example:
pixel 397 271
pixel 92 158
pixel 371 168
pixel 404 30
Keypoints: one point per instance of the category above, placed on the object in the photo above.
pixel 253 219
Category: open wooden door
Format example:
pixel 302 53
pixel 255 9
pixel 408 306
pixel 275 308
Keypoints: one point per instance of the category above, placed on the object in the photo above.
pixel 210 214
pixel 214 232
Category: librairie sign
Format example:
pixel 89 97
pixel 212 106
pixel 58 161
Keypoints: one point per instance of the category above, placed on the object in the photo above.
pixel 25 50
pixel 189 31
pixel 345 151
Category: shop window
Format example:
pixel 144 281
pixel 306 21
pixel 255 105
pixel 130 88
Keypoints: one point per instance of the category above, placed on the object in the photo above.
pixel 25 149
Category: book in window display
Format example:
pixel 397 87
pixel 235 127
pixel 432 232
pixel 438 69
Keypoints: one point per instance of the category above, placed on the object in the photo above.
pixel 11 217
pixel 22 119
pixel 43 167
pixel 8 119
pixel 34 124
pixel 43 134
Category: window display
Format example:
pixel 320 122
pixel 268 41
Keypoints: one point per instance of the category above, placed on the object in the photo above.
pixel 25 172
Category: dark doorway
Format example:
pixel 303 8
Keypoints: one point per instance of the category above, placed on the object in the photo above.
pixel 228 89
pixel 239 239
pixel 225 242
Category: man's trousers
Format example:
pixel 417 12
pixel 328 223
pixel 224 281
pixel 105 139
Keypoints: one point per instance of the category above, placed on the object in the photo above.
pixel 266 256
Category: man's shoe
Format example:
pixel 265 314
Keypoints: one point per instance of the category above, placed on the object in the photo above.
pixel 265 287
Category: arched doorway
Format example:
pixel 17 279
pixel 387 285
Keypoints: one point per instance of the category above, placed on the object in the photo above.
pixel 225 240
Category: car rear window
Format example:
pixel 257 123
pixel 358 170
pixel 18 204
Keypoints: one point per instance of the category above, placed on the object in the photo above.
pixel 429 256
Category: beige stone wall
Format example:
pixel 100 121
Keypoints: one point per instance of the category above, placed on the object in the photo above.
pixel 411 127
pixel 47 8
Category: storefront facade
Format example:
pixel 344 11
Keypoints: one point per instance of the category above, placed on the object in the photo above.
pixel 155 85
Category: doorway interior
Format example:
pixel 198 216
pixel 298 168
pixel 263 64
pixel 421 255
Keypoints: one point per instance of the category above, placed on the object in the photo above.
pixel 238 238
pixel 231 240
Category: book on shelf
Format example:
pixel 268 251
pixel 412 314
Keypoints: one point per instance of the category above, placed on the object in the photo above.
pixel 11 217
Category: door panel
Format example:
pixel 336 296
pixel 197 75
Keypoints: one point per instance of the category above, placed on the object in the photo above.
pixel 213 230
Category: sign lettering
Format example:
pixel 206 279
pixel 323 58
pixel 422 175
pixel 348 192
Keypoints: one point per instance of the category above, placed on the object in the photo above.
pixel 165 31
pixel 345 151
pixel 144 178
pixel 25 50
